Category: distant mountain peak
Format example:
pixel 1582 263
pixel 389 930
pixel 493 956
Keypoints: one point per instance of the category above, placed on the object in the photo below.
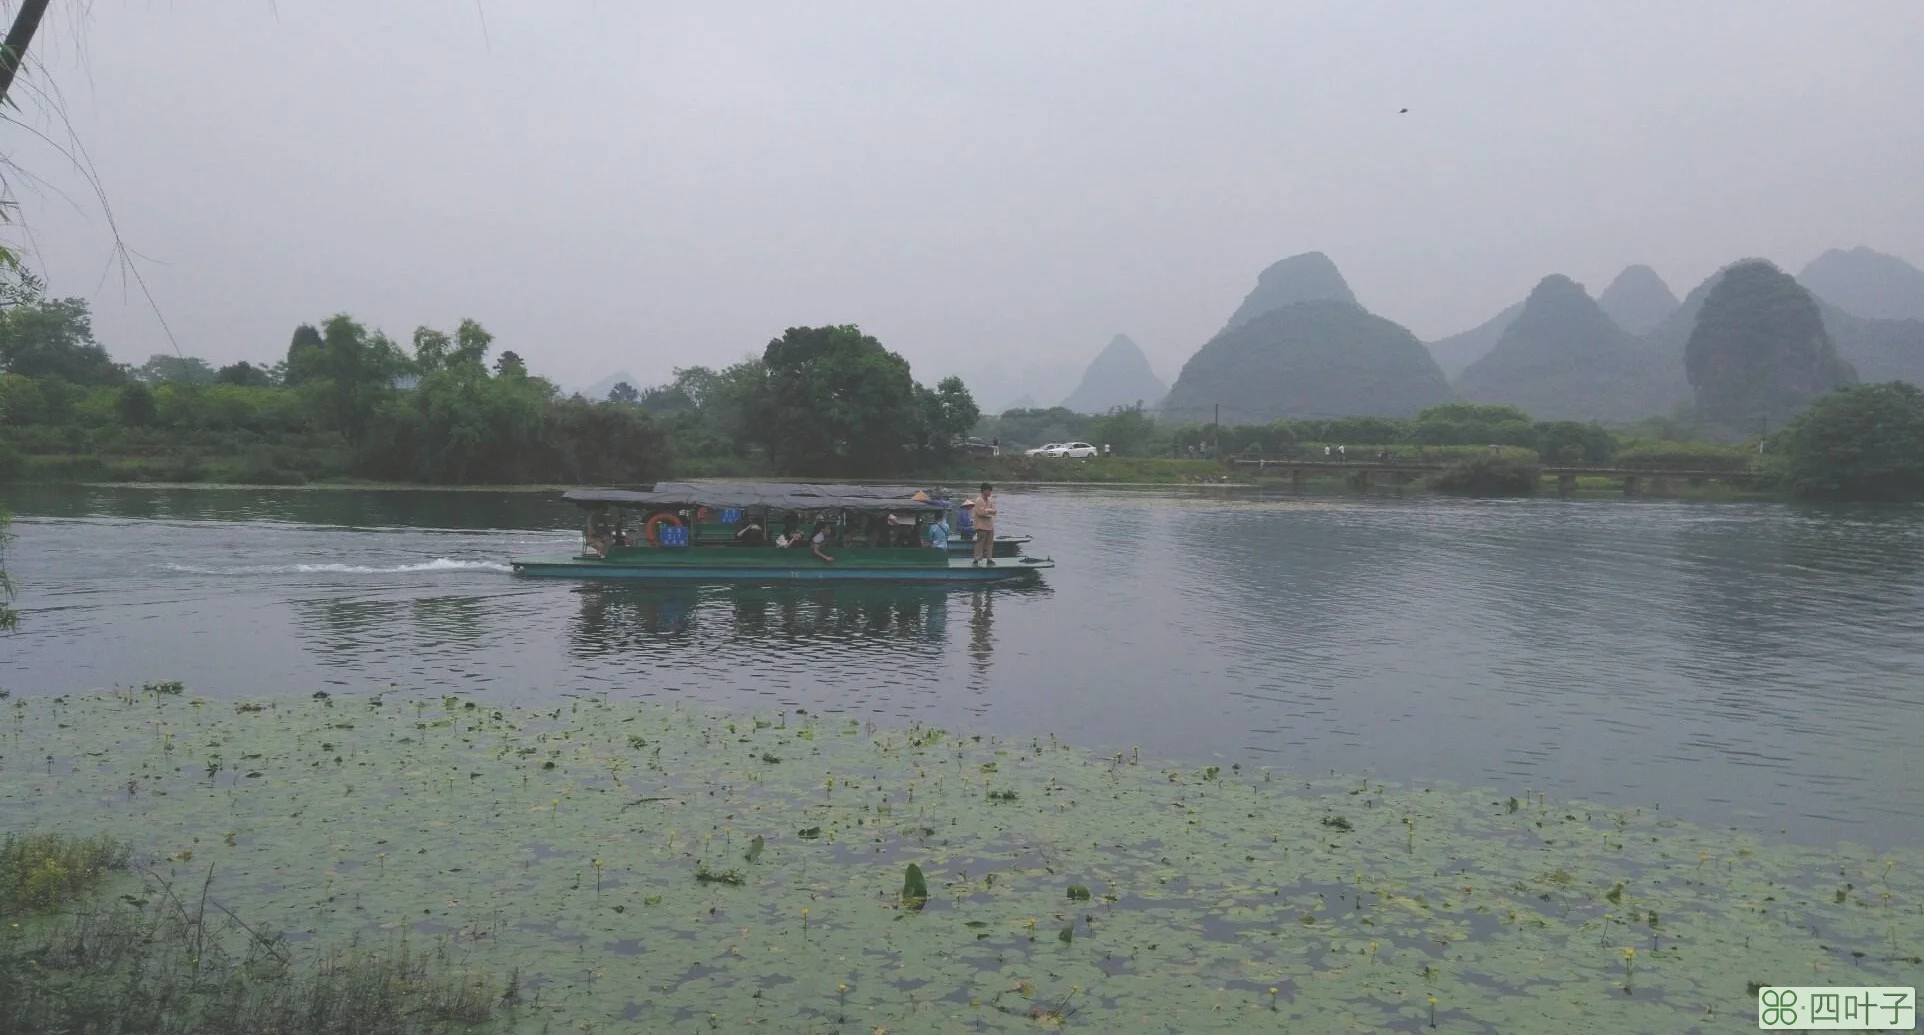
pixel 1760 347
pixel 1638 299
pixel 1455 353
pixel 1869 283
pixel 1563 358
pixel 599 390
pixel 1309 277
pixel 1120 375
pixel 1316 358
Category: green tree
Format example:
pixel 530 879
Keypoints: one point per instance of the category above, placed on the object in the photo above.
pixel 601 443
pixel 948 414
pixel 625 393
pixel 1570 442
pixel 304 353
pixel 1859 443
pixel 21 401
pixel 354 372
pixel 1019 429
pixel 244 374
pixel 136 406
pixel 837 403
pixel 510 364
pixel 1474 424
pixel 163 369
pixel 1127 430
pixel 55 338
pixel 471 342
pixel 664 400
pixel 473 426
pixel 431 349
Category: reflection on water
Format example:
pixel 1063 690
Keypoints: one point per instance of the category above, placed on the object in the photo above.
pixel 1751 662
pixel 981 630
pixel 639 621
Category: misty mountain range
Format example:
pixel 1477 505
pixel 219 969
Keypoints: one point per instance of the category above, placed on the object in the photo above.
pixel 1558 353
pixel 1301 345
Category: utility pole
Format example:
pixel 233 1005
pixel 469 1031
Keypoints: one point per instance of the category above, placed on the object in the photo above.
pixel 14 53
pixel 1765 433
pixel 1218 425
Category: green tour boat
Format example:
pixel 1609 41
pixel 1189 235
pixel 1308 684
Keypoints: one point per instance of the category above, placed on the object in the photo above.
pixel 771 532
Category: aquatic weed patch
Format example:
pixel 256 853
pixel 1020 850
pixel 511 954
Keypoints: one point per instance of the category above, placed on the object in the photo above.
pixel 645 868
pixel 43 871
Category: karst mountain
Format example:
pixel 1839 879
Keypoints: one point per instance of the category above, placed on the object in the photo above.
pixel 1563 358
pixel 1119 376
pixel 1301 346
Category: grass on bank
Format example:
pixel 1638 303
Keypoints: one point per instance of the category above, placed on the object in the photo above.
pixel 164 962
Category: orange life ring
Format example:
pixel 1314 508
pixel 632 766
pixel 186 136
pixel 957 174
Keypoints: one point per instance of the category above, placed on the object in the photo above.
pixel 648 527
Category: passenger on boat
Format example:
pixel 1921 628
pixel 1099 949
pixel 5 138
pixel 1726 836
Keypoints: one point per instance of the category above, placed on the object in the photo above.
pixel 751 533
pixel 939 533
pixel 902 529
pixel 821 539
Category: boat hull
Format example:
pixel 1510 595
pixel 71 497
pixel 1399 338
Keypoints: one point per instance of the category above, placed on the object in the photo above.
pixel 680 567
pixel 1005 546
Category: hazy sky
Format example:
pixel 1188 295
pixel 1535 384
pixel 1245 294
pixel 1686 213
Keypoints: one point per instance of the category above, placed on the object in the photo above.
pixel 620 184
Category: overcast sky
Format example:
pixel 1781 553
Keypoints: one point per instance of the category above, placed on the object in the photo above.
pixel 628 185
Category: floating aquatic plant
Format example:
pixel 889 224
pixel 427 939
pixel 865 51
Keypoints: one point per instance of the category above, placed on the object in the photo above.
pixel 470 823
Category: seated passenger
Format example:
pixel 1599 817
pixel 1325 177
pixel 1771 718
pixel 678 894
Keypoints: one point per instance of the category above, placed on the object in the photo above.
pixel 902 529
pixel 751 533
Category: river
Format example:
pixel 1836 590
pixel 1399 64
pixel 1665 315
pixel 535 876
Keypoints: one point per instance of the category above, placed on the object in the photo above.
pixel 1754 664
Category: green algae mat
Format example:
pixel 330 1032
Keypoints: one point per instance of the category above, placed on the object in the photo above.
pixel 633 868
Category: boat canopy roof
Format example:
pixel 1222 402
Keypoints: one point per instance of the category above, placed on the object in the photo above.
pixel 772 495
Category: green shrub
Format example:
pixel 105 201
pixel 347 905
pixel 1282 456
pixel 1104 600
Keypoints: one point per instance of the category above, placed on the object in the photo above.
pixel 1711 456
pixel 39 872
pixel 1861 443
pixel 1487 475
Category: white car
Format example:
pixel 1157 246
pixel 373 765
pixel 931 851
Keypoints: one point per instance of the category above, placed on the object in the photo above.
pixel 1045 450
pixel 1082 449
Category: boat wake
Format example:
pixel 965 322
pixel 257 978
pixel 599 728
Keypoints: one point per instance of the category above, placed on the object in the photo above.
pixel 438 564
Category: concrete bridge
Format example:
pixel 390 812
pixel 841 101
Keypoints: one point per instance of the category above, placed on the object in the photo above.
pixel 1363 473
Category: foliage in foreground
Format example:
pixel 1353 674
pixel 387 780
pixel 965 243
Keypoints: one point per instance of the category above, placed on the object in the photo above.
pixel 45 871
pixel 656 868
pixel 162 964
pixel 1861 443
pixel 164 970
pixel 1487 475
pixel 8 618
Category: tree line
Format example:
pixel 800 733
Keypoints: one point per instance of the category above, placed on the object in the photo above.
pixel 446 409
pixel 1136 431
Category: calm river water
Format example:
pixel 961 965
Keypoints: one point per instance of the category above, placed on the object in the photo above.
pixel 1755 664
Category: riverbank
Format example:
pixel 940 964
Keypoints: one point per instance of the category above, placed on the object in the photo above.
pixel 1119 472
pixel 641 863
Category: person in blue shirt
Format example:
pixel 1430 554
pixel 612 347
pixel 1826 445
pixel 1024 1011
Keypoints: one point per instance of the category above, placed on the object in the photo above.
pixel 965 522
pixel 939 533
